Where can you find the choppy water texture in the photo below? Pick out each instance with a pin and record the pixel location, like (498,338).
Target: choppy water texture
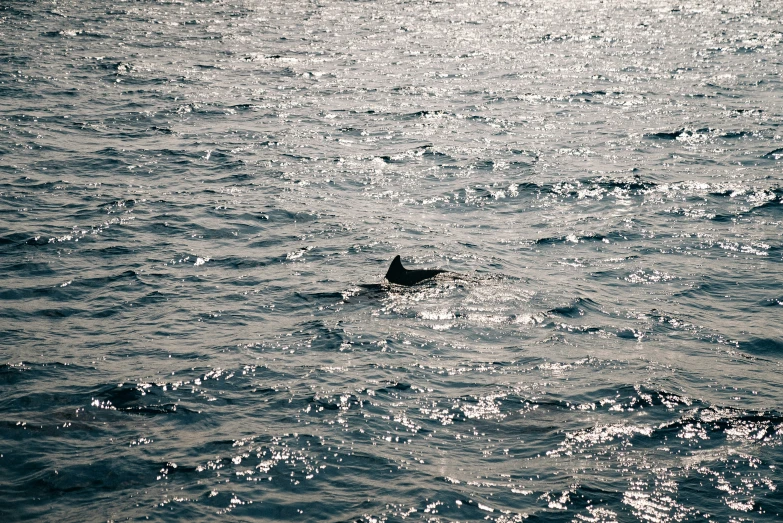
(198,202)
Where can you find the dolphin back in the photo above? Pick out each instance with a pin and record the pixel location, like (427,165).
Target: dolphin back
(401,276)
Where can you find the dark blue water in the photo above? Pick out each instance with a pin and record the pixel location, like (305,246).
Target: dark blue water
(199,200)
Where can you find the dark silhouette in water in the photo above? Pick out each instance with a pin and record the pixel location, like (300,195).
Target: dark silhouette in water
(402,276)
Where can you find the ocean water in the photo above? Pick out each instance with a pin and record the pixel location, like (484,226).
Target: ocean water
(199,200)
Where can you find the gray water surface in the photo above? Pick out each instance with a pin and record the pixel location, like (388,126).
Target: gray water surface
(199,200)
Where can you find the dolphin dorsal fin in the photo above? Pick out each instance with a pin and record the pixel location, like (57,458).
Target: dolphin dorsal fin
(402,276)
(395,269)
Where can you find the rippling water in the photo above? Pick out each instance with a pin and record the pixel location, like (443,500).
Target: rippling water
(199,200)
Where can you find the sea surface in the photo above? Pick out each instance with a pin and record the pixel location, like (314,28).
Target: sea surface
(199,201)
